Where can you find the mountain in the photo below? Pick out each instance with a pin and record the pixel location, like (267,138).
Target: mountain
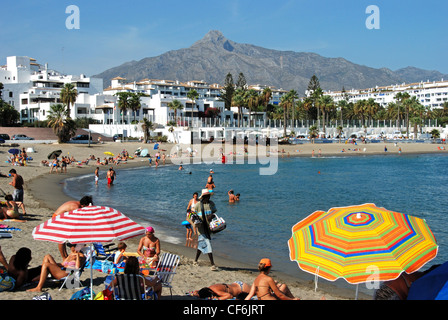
(214,56)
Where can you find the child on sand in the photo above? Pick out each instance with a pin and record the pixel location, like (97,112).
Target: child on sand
(120,257)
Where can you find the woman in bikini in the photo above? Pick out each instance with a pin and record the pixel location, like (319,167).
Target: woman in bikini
(149,247)
(49,266)
(224,291)
(266,288)
(190,210)
(11,211)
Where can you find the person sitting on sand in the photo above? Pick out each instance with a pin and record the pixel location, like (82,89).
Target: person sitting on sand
(49,266)
(266,288)
(133,267)
(70,206)
(18,267)
(224,291)
(120,256)
(149,247)
(11,211)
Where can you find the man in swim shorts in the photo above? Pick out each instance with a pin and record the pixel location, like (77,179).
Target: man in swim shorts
(70,206)
(111,174)
(17,183)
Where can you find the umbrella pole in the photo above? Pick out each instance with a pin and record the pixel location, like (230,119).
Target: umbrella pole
(356,294)
(91,272)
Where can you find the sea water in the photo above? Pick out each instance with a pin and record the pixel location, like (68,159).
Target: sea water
(259,225)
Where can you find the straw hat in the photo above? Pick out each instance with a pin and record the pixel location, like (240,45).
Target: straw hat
(205,192)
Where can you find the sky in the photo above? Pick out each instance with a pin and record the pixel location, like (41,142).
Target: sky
(395,35)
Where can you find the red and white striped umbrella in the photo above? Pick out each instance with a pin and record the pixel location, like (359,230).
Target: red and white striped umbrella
(88,224)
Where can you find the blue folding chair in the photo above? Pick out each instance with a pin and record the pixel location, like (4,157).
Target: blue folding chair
(105,252)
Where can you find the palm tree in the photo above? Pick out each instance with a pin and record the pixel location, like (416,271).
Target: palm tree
(123,102)
(266,97)
(400,97)
(284,103)
(175,105)
(371,108)
(239,100)
(192,95)
(409,105)
(146,127)
(342,104)
(134,102)
(435,134)
(313,133)
(68,96)
(253,100)
(359,110)
(63,126)
(340,129)
(325,103)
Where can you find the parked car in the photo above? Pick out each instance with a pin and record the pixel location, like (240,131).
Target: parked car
(82,137)
(118,136)
(21,137)
(4,136)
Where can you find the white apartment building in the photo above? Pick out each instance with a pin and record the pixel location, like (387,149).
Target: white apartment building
(32,88)
(430,93)
(159,93)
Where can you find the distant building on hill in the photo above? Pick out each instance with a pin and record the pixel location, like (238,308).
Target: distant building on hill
(431,94)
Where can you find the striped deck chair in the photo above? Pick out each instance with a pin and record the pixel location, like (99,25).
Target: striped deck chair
(131,287)
(166,269)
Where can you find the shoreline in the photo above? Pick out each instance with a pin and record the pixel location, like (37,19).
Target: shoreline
(44,193)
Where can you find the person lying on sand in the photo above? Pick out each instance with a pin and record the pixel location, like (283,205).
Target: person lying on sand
(223,291)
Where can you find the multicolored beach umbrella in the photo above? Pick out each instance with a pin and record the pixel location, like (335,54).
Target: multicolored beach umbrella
(361,243)
(87,225)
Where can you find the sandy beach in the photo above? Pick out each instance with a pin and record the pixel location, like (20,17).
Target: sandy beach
(43,194)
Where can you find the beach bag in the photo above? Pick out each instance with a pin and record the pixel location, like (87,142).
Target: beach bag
(217,224)
(7,283)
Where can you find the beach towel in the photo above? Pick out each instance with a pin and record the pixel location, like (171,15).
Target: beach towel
(83,294)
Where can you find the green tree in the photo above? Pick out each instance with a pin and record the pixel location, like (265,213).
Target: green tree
(239,101)
(400,99)
(68,96)
(193,96)
(266,97)
(313,133)
(63,126)
(134,102)
(8,114)
(176,106)
(359,110)
(123,103)
(326,104)
(314,92)
(253,101)
(241,82)
(228,91)
(146,126)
